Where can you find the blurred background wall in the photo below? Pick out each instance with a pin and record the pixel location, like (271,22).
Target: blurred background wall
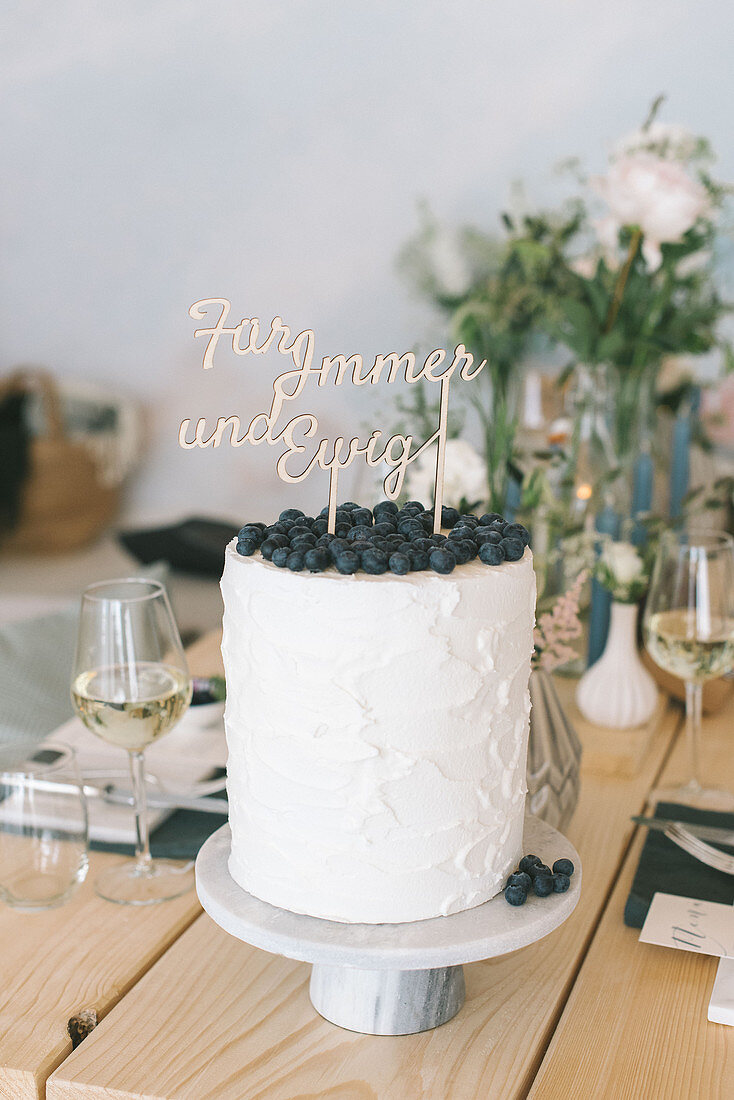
(274,153)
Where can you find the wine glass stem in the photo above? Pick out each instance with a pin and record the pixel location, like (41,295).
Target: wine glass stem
(142,847)
(694,693)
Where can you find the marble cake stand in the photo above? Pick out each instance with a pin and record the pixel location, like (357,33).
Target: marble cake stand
(387,979)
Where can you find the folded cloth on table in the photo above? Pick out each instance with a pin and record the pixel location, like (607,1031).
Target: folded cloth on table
(664,868)
(36,658)
(193,750)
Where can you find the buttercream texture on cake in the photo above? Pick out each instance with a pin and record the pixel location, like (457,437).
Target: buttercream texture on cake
(377,733)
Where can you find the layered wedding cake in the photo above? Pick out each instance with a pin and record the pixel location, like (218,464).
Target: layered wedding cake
(377,712)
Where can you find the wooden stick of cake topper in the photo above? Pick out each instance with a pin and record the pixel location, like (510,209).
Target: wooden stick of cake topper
(335,455)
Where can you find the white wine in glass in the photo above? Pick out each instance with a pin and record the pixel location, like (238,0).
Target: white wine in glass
(130,686)
(689,632)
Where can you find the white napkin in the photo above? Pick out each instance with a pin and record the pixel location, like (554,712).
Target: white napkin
(193,749)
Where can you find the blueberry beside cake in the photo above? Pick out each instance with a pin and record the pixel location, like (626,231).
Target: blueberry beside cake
(377,710)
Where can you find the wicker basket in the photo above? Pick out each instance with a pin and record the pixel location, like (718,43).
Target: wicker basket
(64,503)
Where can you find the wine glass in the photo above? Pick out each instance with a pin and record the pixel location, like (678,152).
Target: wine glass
(689,632)
(130,685)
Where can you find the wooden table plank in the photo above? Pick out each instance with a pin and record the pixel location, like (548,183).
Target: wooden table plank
(648,1002)
(86,954)
(218,1020)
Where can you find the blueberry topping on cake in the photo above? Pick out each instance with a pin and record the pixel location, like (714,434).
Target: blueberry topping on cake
(384,538)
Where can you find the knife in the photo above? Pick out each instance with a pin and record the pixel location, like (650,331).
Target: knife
(704,832)
(117,796)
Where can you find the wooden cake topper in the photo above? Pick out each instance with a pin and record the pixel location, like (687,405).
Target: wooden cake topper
(332,455)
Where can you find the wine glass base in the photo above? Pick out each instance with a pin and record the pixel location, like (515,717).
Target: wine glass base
(131,883)
(700,798)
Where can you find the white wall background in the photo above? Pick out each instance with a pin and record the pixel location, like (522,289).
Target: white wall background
(163,151)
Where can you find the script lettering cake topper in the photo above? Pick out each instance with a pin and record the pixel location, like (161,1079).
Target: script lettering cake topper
(330,455)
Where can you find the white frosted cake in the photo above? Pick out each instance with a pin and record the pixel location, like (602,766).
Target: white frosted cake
(377,730)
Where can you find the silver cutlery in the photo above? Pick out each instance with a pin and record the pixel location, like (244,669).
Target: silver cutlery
(119,796)
(703,832)
(684,837)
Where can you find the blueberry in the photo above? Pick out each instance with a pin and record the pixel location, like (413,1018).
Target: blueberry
(299,529)
(563,867)
(463,550)
(529,861)
(543,885)
(374,562)
(399,563)
(357,534)
(487,534)
(378,542)
(515,895)
(317,560)
(291,513)
(461,531)
(280,556)
(491,553)
(422,544)
(250,531)
(471,548)
(385,508)
(274,529)
(520,878)
(413,507)
(294,561)
(410,528)
(347,561)
(405,547)
(320,527)
(540,869)
(384,528)
(337,547)
(491,517)
(517,531)
(303,543)
(349,506)
(438,540)
(419,560)
(561,883)
(449,516)
(342,530)
(326,539)
(362,517)
(246,547)
(272,543)
(513,549)
(442,561)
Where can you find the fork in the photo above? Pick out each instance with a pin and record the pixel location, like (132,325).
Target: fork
(700,850)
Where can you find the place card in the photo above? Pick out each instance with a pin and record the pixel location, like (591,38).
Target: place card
(690,924)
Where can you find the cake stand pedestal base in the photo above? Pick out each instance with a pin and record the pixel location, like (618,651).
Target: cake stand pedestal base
(387,1002)
(387,979)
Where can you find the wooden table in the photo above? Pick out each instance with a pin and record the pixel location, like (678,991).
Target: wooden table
(188,1013)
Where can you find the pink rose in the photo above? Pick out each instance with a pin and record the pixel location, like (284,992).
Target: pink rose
(654,194)
(717,411)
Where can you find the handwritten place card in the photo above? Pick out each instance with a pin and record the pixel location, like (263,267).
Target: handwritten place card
(689,924)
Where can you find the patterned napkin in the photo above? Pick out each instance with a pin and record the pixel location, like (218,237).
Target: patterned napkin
(666,868)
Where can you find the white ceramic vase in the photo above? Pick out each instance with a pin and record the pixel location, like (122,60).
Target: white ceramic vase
(618,691)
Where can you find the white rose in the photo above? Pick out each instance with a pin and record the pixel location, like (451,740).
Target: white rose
(655,194)
(623,562)
(465,475)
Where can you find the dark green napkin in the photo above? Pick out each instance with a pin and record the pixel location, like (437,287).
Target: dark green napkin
(665,868)
(178,837)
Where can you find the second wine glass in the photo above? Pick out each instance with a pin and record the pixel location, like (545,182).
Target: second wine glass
(689,631)
(130,685)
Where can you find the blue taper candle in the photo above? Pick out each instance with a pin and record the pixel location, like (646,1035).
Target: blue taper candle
(642,486)
(680,462)
(607,523)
